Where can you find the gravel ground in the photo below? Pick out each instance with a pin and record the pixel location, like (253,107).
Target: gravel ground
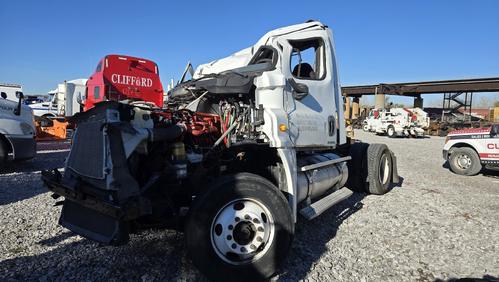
(435,225)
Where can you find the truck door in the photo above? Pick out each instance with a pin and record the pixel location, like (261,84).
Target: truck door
(488,149)
(307,62)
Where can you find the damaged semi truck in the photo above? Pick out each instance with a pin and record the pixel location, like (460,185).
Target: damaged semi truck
(241,150)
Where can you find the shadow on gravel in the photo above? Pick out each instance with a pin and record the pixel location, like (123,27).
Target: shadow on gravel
(311,237)
(20,180)
(157,258)
(57,239)
(485,278)
(40,162)
(485,171)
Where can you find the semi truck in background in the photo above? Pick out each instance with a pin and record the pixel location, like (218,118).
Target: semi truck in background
(124,78)
(17,129)
(63,101)
(116,78)
(250,143)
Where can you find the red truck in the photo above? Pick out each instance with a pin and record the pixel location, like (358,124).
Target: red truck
(119,78)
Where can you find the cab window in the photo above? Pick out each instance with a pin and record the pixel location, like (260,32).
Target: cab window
(96,92)
(99,67)
(308,59)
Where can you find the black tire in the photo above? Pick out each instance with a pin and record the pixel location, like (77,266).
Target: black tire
(464,161)
(3,153)
(390,131)
(379,168)
(203,232)
(357,167)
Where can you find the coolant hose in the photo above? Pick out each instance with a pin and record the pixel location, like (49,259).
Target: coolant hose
(166,134)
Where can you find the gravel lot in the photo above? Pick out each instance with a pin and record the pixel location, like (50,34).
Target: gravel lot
(435,225)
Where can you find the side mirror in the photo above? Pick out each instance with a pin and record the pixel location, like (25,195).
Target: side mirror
(79,100)
(4,95)
(495,130)
(20,95)
(300,90)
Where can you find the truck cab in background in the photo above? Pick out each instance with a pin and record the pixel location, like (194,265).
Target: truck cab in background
(119,77)
(17,130)
(64,101)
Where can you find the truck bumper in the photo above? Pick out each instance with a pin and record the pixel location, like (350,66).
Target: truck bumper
(89,216)
(23,148)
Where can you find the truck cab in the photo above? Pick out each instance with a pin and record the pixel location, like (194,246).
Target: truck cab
(468,150)
(242,149)
(47,108)
(119,77)
(17,130)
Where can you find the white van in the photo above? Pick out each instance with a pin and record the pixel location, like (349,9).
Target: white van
(17,129)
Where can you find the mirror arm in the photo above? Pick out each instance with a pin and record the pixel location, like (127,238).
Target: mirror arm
(299,90)
(17,111)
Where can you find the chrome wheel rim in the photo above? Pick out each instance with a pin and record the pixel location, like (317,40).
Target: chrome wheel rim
(384,169)
(463,161)
(242,231)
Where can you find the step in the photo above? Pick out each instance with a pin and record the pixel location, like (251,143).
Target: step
(317,208)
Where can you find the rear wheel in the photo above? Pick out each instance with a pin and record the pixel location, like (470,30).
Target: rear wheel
(464,161)
(357,167)
(365,128)
(390,131)
(241,228)
(379,168)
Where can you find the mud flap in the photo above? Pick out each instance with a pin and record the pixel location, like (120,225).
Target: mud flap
(92,224)
(395,174)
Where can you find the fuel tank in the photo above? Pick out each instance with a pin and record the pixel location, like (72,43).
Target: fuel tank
(316,182)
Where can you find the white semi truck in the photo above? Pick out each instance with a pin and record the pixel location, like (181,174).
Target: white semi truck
(64,101)
(17,129)
(242,149)
(397,122)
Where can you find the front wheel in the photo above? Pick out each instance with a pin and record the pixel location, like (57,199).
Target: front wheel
(241,228)
(365,128)
(3,153)
(464,161)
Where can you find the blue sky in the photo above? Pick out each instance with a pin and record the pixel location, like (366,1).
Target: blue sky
(46,42)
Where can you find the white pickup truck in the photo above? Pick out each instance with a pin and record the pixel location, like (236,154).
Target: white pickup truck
(17,129)
(468,150)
